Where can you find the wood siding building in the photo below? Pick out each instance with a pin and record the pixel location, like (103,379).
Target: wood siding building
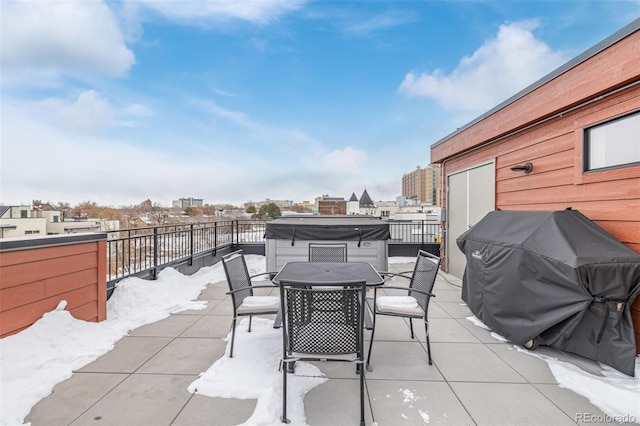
(548,124)
(332,207)
(38,273)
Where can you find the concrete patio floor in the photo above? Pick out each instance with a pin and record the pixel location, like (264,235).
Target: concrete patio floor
(475,378)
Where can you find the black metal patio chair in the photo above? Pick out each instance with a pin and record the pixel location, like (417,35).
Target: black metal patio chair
(327,252)
(334,333)
(413,304)
(241,291)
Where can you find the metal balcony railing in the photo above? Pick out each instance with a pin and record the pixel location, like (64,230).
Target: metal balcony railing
(145,251)
(137,251)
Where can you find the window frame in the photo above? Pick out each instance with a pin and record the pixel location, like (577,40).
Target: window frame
(585,145)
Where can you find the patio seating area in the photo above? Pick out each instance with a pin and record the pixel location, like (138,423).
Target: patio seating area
(475,377)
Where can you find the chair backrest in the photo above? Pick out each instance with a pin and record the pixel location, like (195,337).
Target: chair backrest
(424,277)
(323,318)
(235,268)
(329,252)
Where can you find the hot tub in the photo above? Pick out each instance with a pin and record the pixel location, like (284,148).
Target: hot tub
(288,238)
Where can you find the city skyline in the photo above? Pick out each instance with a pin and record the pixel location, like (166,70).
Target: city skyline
(206,203)
(118,102)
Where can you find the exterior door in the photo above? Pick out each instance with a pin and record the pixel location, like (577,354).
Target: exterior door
(471,195)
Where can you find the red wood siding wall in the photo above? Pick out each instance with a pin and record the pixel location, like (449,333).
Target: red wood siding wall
(555,147)
(35,280)
(610,198)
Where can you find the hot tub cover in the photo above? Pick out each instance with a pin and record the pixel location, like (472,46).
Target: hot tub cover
(553,276)
(344,228)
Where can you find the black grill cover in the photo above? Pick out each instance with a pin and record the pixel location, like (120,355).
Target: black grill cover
(554,276)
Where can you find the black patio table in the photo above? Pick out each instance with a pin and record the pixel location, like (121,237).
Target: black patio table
(329,272)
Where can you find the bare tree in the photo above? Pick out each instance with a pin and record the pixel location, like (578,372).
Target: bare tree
(157,214)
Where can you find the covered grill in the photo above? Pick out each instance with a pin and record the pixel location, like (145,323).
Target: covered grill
(556,277)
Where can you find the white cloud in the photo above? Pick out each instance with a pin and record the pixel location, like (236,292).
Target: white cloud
(71,166)
(384,21)
(138,110)
(224,93)
(89,111)
(132,115)
(345,161)
(60,37)
(260,12)
(501,67)
(216,111)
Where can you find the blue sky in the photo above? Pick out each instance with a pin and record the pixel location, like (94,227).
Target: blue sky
(119,101)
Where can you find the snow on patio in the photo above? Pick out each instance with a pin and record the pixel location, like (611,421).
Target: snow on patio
(615,393)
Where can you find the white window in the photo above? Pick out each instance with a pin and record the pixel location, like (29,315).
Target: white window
(613,144)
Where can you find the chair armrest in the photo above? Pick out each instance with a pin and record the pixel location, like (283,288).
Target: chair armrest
(393,274)
(249,288)
(271,275)
(385,287)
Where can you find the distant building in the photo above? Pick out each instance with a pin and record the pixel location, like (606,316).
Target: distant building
(386,209)
(422,185)
(331,205)
(18,221)
(21,221)
(188,202)
(353,205)
(404,201)
(366,204)
(304,206)
(282,204)
(327,205)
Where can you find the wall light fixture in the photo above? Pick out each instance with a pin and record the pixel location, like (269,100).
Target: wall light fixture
(526,168)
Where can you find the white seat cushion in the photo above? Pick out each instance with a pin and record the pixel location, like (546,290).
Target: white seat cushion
(259,304)
(403,305)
